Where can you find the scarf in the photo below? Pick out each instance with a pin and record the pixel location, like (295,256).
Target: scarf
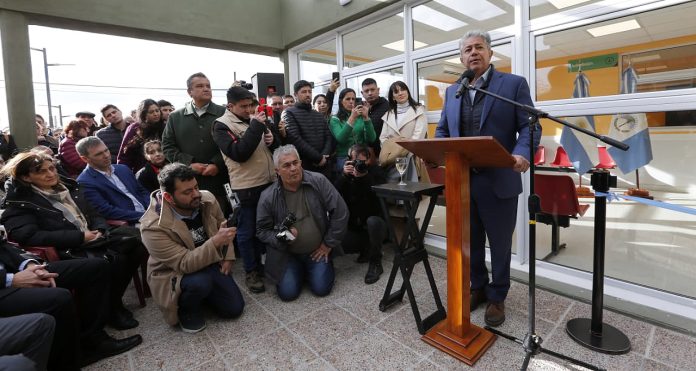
(60,199)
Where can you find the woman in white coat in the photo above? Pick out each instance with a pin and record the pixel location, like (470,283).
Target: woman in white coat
(406,119)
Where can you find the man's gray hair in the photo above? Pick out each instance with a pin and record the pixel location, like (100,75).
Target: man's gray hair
(476,33)
(84,144)
(287,149)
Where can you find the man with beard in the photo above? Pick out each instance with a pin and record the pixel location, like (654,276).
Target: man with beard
(308,131)
(112,135)
(191,251)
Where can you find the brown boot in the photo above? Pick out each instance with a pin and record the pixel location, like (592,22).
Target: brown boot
(477,298)
(495,314)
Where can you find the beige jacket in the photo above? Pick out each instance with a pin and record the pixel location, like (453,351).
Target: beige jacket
(172,252)
(414,126)
(258,170)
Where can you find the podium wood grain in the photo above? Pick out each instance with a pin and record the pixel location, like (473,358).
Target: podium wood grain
(456,335)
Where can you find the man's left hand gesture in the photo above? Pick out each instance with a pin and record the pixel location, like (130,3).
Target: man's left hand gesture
(321,253)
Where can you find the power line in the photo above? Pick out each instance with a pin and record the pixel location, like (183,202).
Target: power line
(112,86)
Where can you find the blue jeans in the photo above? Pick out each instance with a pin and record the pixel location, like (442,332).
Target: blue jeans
(250,247)
(213,287)
(320,276)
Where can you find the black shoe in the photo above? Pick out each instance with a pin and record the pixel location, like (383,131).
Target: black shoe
(121,321)
(125,312)
(477,298)
(373,272)
(108,347)
(192,322)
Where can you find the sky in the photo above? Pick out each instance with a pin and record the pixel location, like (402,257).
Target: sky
(124,71)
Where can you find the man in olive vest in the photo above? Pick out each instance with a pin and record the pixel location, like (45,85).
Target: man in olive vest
(247,145)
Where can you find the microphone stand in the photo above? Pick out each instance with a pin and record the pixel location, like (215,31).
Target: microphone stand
(532,342)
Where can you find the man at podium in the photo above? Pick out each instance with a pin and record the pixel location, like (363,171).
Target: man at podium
(494,191)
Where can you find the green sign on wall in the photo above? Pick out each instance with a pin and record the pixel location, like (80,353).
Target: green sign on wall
(593,63)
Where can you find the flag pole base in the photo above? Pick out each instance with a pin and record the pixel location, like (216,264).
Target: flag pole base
(583,191)
(639,192)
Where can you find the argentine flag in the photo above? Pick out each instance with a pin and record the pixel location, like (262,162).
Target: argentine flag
(631,129)
(581,148)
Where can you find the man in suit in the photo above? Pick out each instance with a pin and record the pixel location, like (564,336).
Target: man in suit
(27,285)
(111,188)
(494,192)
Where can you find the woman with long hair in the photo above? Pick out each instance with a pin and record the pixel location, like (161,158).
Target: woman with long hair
(350,126)
(406,119)
(43,209)
(150,127)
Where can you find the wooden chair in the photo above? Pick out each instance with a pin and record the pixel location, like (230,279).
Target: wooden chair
(559,203)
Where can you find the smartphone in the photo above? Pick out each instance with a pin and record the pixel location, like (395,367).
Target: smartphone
(335,76)
(358,102)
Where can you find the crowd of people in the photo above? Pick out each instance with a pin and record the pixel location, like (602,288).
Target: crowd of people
(287,188)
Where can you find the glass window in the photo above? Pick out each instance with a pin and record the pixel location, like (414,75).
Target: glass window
(440,21)
(384,79)
(434,76)
(317,64)
(373,42)
(659,47)
(540,8)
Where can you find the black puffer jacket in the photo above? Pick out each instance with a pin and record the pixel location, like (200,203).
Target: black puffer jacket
(309,132)
(31,220)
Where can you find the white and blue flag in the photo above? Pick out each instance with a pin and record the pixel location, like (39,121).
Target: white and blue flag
(631,129)
(581,148)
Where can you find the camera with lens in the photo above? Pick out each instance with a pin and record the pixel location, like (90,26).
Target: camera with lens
(284,234)
(246,85)
(360,165)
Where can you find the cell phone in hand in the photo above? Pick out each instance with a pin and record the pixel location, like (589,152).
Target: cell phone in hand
(358,102)
(335,76)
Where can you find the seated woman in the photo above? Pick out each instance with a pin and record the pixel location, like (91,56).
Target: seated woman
(147,176)
(67,154)
(150,127)
(350,126)
(406,119)
(41,209)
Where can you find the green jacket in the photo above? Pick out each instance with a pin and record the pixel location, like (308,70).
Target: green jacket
(187,138)
(362,132)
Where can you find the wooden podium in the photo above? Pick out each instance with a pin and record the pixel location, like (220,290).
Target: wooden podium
(455,334)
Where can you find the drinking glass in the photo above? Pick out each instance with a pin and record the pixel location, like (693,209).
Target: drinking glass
(401,165)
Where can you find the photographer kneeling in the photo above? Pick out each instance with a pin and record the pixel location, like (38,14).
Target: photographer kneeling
(366,228)
(301,218)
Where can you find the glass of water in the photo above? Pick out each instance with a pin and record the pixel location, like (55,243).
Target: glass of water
(401,165)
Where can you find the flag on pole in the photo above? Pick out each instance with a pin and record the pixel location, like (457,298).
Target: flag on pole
(631,129)
(581,148)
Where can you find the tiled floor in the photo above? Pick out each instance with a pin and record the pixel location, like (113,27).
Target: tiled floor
(346,331)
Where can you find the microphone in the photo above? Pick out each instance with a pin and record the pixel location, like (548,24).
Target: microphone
(466,77)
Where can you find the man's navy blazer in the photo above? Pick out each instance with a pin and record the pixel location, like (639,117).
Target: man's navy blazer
(107,199)
(499,119)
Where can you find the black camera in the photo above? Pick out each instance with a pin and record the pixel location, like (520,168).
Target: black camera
(359,165)
(246,85)
(284,234)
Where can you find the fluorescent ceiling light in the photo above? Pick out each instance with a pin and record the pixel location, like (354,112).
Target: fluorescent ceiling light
(645,58)
(560,4)
(457,61)
(399,45)
(614,28)
(653,68)
(433,18)
(479,10)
